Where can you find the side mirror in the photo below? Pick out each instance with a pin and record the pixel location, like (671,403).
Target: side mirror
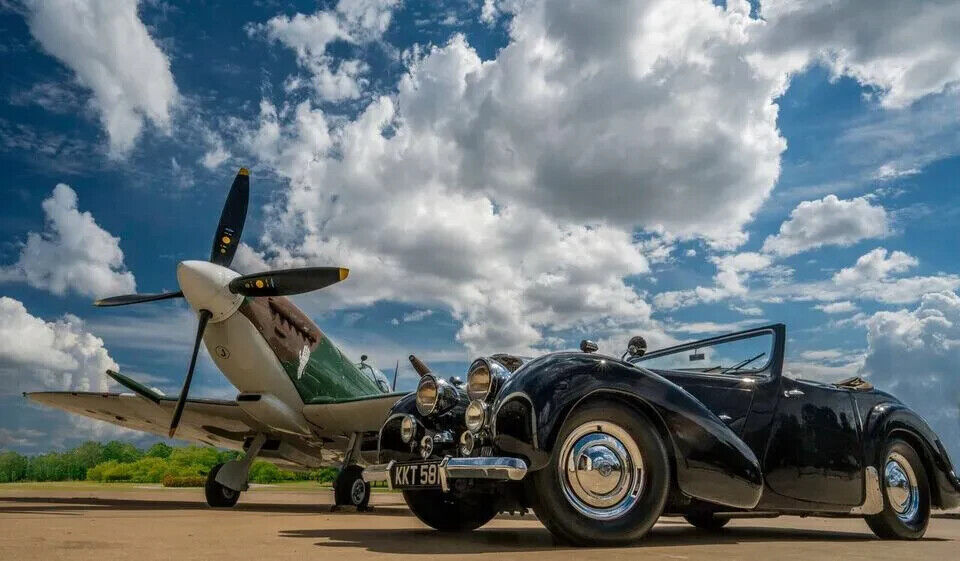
(637,347)
(588,346)
(363,358)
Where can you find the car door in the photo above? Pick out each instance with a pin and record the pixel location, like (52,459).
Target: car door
(814,453)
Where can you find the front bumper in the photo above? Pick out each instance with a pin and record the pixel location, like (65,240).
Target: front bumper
(496,468)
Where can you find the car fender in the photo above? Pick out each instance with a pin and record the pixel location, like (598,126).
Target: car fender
(711,462)
(894,419)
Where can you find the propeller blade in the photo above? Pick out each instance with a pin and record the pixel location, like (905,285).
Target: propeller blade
(395,372)
(201,325)
(418,365)
(234,214)
(287,281)
(135,299)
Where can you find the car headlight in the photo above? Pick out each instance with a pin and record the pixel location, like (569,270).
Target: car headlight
(484,379)
(467,442)
(434,395)
(408,428)
(475,416)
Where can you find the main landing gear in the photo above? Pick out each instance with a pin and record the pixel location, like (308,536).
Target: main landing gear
(226,481)
(350,489)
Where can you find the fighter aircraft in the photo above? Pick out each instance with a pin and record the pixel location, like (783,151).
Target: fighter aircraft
(301,404)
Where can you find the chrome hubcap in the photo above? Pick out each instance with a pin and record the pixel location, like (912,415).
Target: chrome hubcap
(900,484)
(357,491)
(601,470)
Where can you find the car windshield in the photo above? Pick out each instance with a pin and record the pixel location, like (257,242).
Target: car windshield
(374,374)
(737,355)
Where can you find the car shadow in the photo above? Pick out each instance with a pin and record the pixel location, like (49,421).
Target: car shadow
(667,533)
(77,505)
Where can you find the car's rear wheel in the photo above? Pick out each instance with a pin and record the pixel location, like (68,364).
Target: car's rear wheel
(608,477)
(448,512)
(707,521)
(906,494)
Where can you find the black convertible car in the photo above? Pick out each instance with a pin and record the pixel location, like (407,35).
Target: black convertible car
(600,447)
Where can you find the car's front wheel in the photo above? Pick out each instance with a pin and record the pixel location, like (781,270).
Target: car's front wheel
(906,494)
(608,477)
(448,512)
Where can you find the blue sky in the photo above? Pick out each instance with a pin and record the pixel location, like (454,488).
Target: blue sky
(527,176)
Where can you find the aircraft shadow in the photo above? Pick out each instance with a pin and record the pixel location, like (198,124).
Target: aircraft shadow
(77,505)
(510,540)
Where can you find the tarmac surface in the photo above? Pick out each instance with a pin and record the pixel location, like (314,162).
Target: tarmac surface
(277,523)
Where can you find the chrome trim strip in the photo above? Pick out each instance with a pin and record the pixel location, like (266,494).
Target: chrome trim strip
(873,499)
(497,468)
(378,472)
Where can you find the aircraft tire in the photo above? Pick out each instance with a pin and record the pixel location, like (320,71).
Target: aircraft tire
(350,489)
(217,495)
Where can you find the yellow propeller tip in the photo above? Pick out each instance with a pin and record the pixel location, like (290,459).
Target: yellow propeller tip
(344,273)
(243,171)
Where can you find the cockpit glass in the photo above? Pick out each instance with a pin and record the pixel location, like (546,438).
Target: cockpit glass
(375,375)
(734,356)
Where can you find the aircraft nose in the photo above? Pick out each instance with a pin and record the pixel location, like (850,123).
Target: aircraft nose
(204,285)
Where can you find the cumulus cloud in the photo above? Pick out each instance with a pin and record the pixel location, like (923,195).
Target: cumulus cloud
(914,355)
(352,21)
(828,221)
(475,170)
(874,266)
(906,50)
(73,253)
(111,53)
(58,355)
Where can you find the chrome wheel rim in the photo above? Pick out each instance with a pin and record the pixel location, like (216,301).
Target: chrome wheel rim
(900,485)
(227,492)
(601,470)
(357,491)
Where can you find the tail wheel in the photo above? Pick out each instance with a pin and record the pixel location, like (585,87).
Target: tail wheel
(451,513)
(217,495)
(707,521)
(608,477)
(350,489)
(906,494)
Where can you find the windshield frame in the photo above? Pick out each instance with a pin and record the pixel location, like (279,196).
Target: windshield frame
(765,370)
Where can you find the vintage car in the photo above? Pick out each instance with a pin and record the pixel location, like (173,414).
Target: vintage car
(600,447)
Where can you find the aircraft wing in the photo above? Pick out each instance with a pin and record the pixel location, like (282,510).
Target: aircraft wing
(365,414)
(215,422)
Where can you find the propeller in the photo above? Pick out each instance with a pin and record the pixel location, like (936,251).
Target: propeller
(395,372)
(135,299)
(201,326)
(225,242)
(286,282)
(234,214)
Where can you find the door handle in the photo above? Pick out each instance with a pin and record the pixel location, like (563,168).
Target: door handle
(792,393)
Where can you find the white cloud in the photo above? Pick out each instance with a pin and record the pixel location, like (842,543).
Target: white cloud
(709,327)
(828,221)
(417,315)
(489,12)
(843,307)
(60,355)
(874,266)
(352,21)
(73,253)
(905,49)
(733,271)
(488,167)
(111,52)
(748,310)
(914,355)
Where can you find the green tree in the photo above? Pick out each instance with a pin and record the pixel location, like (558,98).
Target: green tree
(13,467)
(121,451)
(160,450)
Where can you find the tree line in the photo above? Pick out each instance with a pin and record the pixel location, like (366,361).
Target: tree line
(123,462)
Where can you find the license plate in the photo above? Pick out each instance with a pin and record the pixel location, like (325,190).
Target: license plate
(419,475)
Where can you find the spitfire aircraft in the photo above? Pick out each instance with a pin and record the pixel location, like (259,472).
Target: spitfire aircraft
(301,403)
